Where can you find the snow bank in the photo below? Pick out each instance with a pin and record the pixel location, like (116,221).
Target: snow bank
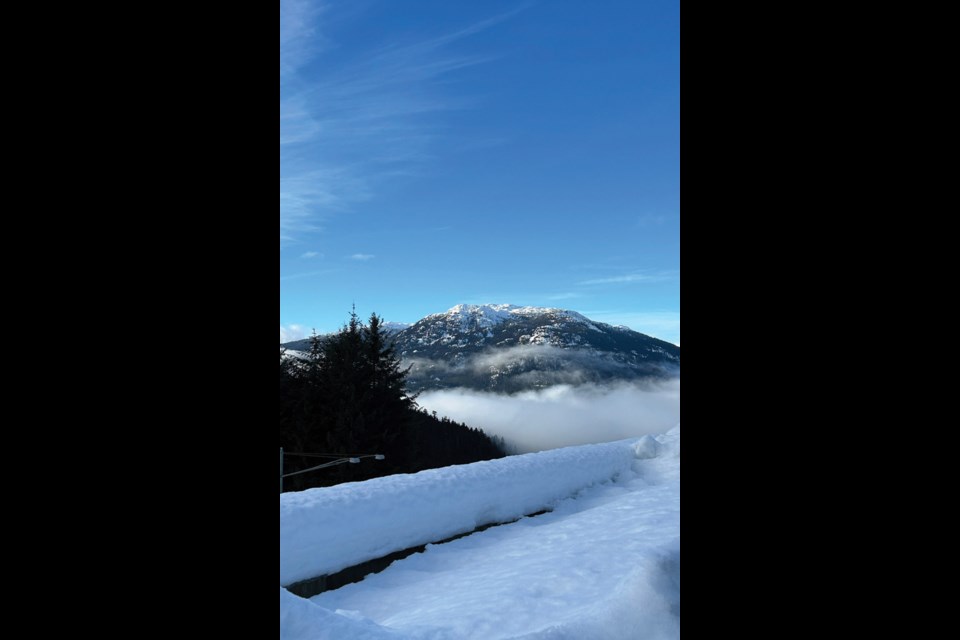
(323,531)
(603,565)
(301,619)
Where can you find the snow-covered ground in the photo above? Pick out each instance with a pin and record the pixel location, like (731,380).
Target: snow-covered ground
(605,564)
(326,530)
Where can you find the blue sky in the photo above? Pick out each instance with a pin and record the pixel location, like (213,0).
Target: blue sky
(434,153)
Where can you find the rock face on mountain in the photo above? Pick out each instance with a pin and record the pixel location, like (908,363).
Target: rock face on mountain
(509,349)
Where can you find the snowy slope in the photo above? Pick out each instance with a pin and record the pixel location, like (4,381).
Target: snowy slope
(604,565)
(472,317)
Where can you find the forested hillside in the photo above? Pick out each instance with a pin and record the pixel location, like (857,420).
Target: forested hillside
(349,398)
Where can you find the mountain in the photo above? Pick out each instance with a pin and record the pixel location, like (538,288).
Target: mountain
(508,349)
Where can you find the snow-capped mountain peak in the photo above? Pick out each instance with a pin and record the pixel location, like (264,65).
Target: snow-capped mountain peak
(471,317)
(508,348)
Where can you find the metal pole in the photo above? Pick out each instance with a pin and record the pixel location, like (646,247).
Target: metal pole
(355,460)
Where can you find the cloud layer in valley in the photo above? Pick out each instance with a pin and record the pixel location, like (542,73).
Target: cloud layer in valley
(564,415)
(533,366)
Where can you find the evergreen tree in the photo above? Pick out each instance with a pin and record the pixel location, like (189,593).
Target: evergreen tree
(349,398)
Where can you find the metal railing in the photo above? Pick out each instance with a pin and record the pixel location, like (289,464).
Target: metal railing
(335,460)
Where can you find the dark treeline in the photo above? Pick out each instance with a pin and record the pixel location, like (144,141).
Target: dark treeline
(349,397)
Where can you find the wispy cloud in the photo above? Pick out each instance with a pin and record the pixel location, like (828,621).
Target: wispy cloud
(362,257)
(656,220)
(560,297)
(309,274)
(632,278)
(344,128)
(311,255)
(291,333)
(300,37)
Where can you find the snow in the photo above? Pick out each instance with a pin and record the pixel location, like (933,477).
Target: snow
(477,316)
(604,564)
(327,530)
(471,317)
(300,619)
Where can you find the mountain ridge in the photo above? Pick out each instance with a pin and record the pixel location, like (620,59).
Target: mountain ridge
(508,348)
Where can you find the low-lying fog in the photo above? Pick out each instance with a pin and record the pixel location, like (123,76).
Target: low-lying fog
(564,415)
